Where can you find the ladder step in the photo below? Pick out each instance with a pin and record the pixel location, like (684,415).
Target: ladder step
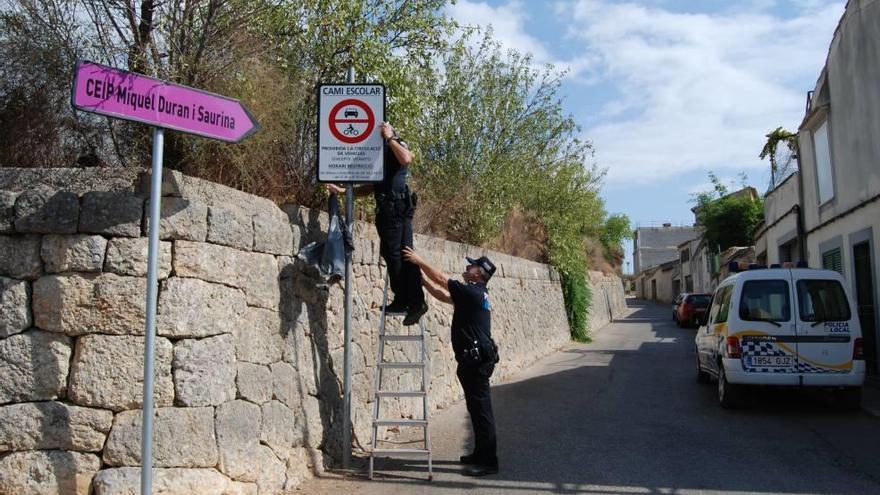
(401,451)
(402,365)
(400,422)
(392,393)
(409,338)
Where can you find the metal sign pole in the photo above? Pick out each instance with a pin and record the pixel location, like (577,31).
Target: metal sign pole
(346,400)
(150,332)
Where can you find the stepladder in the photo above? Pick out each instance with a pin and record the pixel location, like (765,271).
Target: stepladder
(390,388)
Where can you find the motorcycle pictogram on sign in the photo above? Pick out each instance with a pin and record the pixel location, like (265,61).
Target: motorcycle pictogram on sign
(347,125)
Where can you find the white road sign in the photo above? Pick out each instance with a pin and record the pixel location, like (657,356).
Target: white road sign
(350,146)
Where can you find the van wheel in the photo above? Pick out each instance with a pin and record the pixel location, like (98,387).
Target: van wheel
(849,399)
(702,376)
(729,395)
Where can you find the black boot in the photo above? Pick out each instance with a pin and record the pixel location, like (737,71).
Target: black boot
(396,307)
(480,470)
(415,314)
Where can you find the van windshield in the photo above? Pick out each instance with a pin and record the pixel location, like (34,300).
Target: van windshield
(765,300)
(822,300)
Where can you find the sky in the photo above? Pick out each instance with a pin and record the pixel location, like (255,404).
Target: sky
(669,90)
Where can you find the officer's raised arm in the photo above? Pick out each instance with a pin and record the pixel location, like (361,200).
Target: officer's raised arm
(398,147)
(432,273)
(439,294)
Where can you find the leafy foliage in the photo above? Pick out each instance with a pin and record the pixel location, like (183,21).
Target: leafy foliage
(771,150)
(497,158)
(728,219)
(578,297)
(616,230)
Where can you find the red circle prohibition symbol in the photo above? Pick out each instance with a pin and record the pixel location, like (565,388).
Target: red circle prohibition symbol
(335,120)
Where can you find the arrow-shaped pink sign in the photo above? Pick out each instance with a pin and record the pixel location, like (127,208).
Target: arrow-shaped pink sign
(126,95)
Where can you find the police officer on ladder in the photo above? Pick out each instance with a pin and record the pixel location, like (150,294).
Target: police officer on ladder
(475,351)
(395,207)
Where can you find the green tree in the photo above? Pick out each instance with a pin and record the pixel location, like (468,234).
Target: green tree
(615,231)
(728,219)
(494,139)
(771,148)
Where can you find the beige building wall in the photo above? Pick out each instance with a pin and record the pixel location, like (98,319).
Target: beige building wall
(846,103)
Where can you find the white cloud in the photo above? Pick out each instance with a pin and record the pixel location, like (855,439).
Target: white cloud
(696,91)
(508,22)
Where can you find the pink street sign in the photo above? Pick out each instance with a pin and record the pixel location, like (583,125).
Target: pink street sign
(125,95)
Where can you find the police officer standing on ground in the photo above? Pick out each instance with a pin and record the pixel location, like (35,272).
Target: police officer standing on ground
(395,207)
(475,351)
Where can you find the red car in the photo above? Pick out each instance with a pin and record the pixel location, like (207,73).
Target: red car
(690,308)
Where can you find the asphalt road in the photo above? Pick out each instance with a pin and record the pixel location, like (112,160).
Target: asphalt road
(625,415)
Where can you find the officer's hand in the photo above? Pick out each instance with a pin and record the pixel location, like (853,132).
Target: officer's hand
(387,130)
(334,189)
(411,256)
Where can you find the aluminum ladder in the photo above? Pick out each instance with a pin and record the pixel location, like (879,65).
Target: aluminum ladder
(379,393)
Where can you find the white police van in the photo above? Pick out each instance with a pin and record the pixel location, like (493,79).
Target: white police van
(794,327)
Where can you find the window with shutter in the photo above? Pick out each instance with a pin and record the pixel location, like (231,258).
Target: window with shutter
(831,260)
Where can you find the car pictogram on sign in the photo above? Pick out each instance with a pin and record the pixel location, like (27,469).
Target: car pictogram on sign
(351,112)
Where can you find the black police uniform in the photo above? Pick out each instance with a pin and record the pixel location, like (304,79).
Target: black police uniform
(472,327)
(394,213)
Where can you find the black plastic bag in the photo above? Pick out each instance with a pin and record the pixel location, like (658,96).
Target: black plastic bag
(328,256)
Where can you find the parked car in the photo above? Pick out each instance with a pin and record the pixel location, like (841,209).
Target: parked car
(691,309)
(782,327)
(675,303)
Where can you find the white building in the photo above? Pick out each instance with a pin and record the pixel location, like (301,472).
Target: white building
(829,212)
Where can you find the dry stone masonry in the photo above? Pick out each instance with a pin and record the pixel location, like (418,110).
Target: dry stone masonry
(249,347)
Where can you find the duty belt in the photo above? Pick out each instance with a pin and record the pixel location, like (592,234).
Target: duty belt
(391,196)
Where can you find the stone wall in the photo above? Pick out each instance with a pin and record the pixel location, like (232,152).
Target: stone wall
(249,347)
(609,299)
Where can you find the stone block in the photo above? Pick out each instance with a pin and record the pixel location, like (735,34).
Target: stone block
(174,481)
(280,428)
(204,371)
(209,262)
(53,426)
(259,278)
(313,430)
(272,232)
(180,219)
(20,256)
(130,256)
(47,472)
(111,213)
(83,304)
(46,211)
(255,273)
(34,366)
(79,179)
(73,253)
(286,385)
(7,211)
(254,382)
(108,372)
(238,439)
(190,307)
(182,436)
(15,309)
(299,467)
(230,227)
(271,472)
(259,338)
